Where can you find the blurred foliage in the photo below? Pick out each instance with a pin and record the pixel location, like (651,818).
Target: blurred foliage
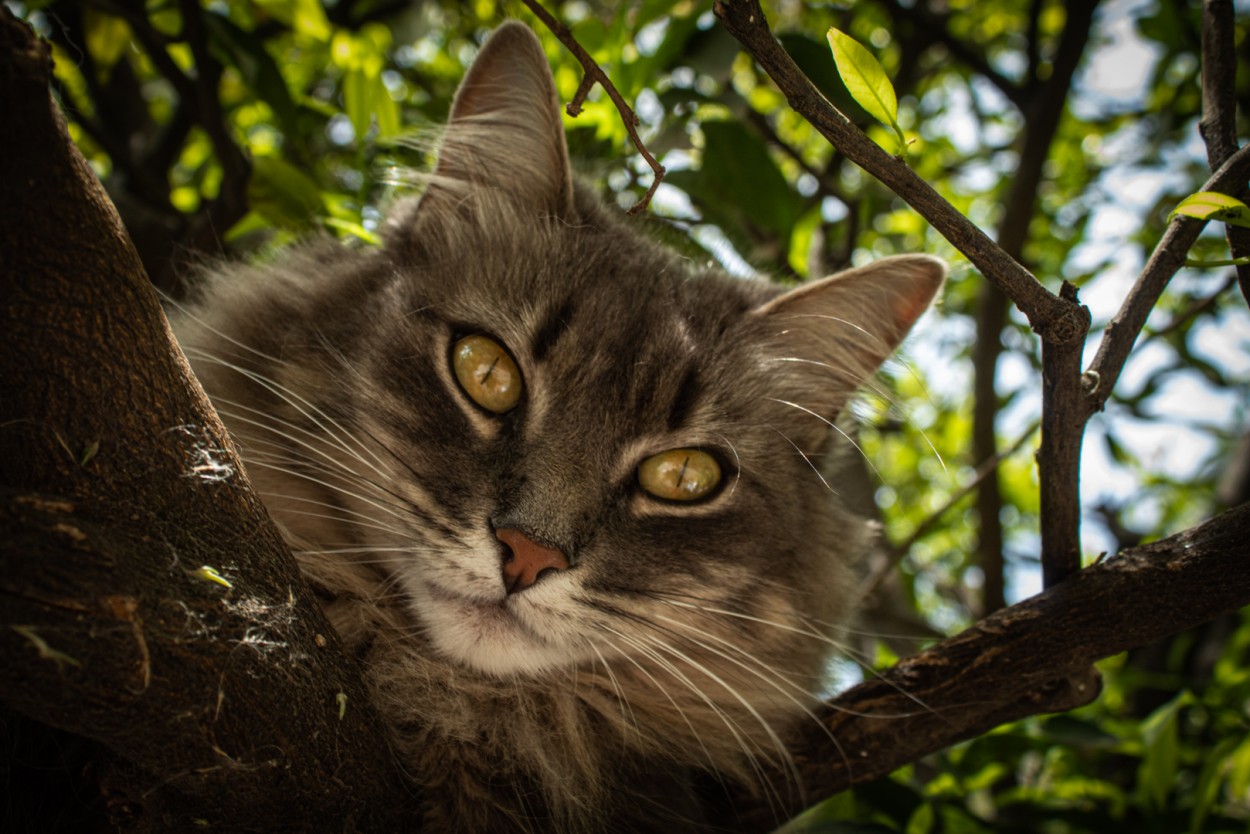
(329,104)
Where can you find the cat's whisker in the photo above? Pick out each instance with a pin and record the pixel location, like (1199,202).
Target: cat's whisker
(739,735)
(806,459)
(403,508)
(628,719)
(675,652)
(769,675)
(843,649)
(737,463)
(782,753)
(265,420)
(343,515)
(296,473)
(836,428)
(343,437)
(305,407)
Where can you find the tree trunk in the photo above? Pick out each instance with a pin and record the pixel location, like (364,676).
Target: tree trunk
(122,502)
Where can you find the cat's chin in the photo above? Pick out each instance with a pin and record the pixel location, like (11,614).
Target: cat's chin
(503,637)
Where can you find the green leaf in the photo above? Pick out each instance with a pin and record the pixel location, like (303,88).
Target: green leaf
(108,38)
(358,90)
(1211,205)
(283,194)
(866,81)
(304,16)
(1207,788)
(739,187)
(247,53)
(354,229)
(922,821)
(1162,759)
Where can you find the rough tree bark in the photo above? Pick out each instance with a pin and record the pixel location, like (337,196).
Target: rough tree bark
(234,705)
(118,484)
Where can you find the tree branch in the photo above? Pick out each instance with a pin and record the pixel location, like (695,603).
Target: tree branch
(117,484)
(1219,112)
(1167,258)
(1031,658)
(1052,317)
(595,74)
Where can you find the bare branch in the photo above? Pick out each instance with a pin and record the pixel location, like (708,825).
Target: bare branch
(1167,258)
(596,75)
(1059,460)
(1219,111)
(1052,317)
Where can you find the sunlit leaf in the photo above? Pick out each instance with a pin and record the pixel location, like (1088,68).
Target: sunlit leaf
(304,16)
(1211,205)
(248,55)
(358,93)
(866,81)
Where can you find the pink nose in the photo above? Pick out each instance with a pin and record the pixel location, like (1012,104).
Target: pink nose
(527,560)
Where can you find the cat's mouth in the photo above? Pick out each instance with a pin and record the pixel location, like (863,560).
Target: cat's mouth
(483,613)
(502,637)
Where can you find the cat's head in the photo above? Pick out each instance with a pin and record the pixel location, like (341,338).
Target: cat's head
(563,444)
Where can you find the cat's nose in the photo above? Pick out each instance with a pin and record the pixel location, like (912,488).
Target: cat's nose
(527,560)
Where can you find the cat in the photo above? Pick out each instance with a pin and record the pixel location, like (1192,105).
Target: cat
(559,490)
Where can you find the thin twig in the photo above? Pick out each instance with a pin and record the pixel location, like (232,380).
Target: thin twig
(1193,311)
(1167,258)
(596,75)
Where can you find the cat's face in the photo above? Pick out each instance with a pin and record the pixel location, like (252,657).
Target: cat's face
(643,432)
(560,444)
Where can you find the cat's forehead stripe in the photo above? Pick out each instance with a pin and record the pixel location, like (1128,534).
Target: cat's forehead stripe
(555,325)
(685,397)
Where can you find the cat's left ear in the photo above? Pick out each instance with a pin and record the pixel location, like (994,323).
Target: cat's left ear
(829,336)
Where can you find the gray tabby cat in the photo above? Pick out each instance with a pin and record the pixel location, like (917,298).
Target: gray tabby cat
(559,489)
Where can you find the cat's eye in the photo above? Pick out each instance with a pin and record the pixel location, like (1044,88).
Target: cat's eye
(487,373)
(680,475)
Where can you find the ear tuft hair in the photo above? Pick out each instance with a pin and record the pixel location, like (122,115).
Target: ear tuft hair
(833,334)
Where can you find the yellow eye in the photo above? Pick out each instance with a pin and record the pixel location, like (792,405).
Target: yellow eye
(487,373)
(679,474)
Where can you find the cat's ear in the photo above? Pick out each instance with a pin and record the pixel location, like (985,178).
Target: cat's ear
(829,336)
(505,129)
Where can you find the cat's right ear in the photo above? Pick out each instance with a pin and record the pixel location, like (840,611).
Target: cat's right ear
(505,132)
(828,337)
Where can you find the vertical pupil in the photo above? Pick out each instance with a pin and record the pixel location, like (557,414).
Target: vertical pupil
(489,371)
(681,473)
